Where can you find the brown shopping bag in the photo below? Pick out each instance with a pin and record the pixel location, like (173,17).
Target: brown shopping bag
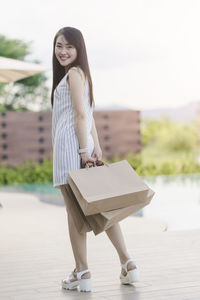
(107,187)
(74,209)
(102,221)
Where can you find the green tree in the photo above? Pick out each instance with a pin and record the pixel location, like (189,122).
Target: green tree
(26,93)
(165,135)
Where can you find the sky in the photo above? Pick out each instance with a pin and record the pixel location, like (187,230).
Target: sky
(143,54)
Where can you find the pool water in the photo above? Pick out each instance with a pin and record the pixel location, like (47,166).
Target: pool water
(176,200)
(44,191)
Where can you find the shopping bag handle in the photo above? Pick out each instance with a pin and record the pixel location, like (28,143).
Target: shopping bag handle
(95,165)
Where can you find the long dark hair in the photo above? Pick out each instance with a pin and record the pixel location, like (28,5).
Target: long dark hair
(75,38)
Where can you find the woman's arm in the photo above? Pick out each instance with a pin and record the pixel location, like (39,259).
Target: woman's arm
(97,149)
(76,83)
(94,134)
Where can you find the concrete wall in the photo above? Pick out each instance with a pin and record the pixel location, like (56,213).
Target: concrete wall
(27,135)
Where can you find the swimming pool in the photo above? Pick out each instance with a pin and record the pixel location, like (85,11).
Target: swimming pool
(176,200)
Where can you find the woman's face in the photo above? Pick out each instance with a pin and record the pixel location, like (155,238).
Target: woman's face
(64,52)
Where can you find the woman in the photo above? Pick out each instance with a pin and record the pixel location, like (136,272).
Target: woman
(75,143)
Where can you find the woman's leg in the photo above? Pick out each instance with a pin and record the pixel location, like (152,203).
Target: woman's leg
(78,240)
(115,235)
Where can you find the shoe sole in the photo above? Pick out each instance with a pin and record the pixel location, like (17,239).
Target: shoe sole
(83,284)
(131,277)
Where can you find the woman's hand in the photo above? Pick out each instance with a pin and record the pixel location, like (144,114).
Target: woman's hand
(97,154)
(86,158)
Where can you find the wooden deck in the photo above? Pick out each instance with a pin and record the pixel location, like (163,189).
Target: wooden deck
(35,254)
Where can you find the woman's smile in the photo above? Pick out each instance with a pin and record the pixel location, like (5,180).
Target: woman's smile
(63,58)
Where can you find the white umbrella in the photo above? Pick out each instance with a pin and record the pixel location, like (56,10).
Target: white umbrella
(13,69)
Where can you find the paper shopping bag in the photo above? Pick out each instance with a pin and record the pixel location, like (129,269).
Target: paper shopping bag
(102,221)
(107,187)
(75,210)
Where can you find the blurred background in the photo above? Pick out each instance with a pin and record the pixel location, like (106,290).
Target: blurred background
(145,66)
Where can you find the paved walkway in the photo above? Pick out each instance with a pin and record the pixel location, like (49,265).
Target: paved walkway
(35,254)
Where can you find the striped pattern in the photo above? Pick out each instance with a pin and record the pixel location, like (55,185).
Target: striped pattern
(64,138)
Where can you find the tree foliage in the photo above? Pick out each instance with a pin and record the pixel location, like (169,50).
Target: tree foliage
(26,93)
(167,136)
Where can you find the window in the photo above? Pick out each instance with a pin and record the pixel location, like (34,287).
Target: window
(3,124)
(106,137)
(3,114)
(41,129)
(106,116)
(4,146)
(41,150)
(41,140)
(40,160)
(106,127)
(4,157)
(107,148)
(40,118)
(4,136)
